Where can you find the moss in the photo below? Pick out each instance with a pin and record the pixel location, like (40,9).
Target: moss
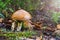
(17,35)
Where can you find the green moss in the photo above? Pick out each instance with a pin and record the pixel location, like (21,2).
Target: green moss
(19,34)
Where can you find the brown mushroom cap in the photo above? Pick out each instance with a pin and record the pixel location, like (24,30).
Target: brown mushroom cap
(21,15)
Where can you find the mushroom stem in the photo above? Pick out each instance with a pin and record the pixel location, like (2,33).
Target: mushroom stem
(13,26)
(28,24)
(19,26)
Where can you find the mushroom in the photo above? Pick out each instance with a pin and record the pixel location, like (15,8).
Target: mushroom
(1,19)
(21,15)
(58,26)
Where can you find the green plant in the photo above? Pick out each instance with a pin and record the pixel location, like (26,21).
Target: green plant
(3,5)
(55,16)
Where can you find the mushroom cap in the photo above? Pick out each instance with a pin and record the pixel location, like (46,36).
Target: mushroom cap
(21,15)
